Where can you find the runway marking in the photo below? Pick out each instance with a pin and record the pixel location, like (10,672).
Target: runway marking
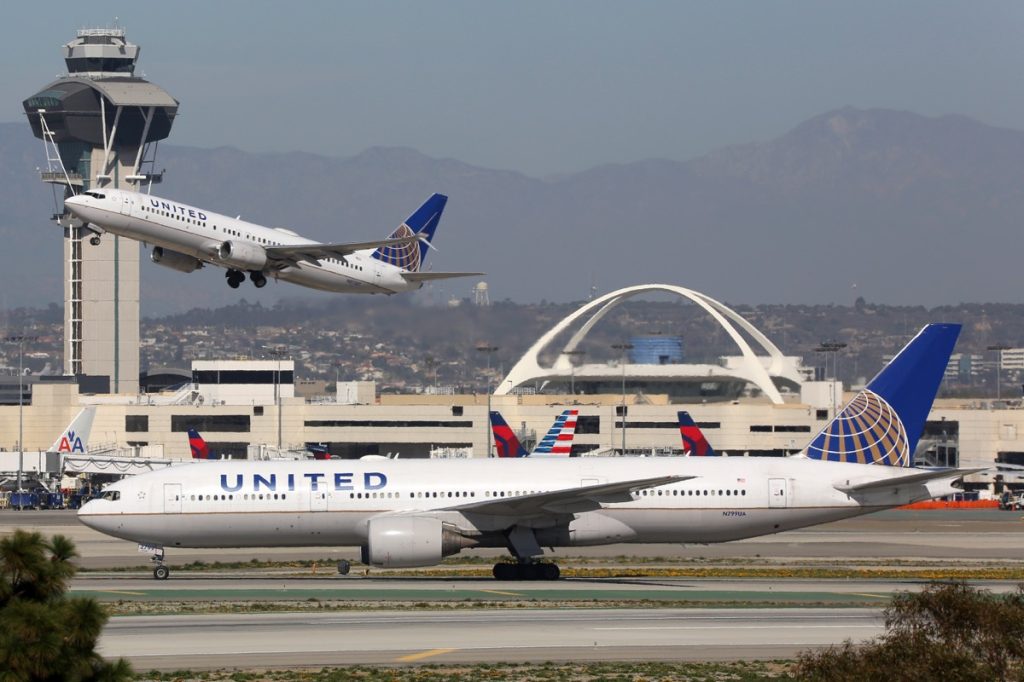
(121,592)
(425,654)
(867,594)
(508,594)
(767,626)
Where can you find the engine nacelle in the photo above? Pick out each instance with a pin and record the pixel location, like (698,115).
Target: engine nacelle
(411,541)
(242,255)
(174,260)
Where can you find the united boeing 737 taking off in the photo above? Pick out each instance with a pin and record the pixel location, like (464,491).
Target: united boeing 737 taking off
(185,238)
(405,513)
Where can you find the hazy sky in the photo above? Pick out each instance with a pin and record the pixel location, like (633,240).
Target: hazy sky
(539,87)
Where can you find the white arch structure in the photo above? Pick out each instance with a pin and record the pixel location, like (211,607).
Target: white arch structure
(752,368)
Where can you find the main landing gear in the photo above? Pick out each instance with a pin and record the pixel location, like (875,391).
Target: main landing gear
(522,543)
(526,570)
(94,240)
(236,277)
(344,567)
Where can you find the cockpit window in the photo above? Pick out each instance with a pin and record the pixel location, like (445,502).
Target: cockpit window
(112,495)
(95,195)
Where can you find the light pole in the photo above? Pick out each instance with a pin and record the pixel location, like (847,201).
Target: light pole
(337,379)
(277,353)
(832,347)
(623,348)
(20,339)
(999,348)
(488,350)
(573,354)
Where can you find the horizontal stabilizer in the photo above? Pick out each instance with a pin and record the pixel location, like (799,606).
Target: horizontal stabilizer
(429,276)
(907,479)
(567,500)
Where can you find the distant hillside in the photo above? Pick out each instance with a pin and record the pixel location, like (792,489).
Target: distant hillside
(898,207)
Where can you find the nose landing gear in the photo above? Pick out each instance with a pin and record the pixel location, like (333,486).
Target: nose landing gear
(160,571)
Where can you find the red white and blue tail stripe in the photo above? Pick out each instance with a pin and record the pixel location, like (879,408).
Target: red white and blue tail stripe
(558,440)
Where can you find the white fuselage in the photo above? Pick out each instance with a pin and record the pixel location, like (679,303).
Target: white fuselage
(329,503)
(196,232)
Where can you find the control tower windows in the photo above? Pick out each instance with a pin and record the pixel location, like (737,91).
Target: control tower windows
(108,64)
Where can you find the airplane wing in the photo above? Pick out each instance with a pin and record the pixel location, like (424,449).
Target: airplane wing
(314,252)
(429,276)
(567,500)
(907,479)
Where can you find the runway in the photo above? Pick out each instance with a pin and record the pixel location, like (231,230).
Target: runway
(953,535)
(531,635)
(354,592)
(333,620)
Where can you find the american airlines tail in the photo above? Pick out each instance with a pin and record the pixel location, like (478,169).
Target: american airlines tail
(411,255)
(558,439)
(694,442)
(75,438)
(883,423)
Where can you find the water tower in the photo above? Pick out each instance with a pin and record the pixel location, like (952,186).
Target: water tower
(100,125)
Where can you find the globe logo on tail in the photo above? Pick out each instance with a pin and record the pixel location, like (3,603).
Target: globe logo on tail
(867,431)
(405,256)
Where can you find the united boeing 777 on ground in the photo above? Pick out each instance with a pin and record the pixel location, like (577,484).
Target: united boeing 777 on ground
(406,513)
(184,238)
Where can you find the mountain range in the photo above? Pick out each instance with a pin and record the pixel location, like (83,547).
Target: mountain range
(889,205)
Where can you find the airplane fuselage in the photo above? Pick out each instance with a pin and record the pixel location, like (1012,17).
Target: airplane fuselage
(196,233)
(330,503)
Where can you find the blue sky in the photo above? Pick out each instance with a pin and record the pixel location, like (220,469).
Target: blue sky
(538,87)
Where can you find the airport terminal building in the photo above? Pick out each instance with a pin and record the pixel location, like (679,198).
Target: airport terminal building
(245,407)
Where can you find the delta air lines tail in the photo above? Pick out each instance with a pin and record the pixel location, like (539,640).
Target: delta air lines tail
(198,446)
(694,442)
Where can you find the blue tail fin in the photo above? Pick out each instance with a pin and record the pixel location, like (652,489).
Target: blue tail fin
(505,438)
(424,221)
(883,423)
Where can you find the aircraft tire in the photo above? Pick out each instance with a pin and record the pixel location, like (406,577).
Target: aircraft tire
(258,279)
(528,571)
(344,567)
(161,572)
(94,240)
(505,571)
(550,571)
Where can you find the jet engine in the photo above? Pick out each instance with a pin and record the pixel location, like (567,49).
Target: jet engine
(411,541)
(174,260)
(242,255)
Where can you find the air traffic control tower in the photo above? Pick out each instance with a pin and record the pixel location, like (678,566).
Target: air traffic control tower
(100,125)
